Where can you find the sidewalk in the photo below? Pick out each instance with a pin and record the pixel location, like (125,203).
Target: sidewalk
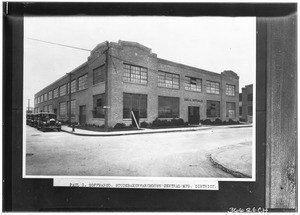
(234,159)
(83,132)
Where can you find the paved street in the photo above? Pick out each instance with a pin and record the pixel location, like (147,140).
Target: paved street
(182,154)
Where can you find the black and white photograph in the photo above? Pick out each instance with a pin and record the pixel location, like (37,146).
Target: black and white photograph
(139,97)
(150,107)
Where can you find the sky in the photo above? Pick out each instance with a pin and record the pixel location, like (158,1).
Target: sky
(210,43)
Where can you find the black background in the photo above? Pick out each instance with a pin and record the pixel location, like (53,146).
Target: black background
(40,195)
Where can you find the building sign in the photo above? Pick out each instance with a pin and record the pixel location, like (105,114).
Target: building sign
(192,100)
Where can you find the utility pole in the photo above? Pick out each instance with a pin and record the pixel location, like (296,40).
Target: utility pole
(70,77)
(106,86)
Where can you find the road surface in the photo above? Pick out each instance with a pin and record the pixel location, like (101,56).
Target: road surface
(182,154)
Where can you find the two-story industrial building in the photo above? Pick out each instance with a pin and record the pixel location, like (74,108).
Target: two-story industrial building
(122,79)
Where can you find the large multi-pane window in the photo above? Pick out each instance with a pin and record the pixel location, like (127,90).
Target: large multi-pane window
(62,109)
(73,108)
(168,107)
(135,74)
(136,103)
(50,109)
(50,95)
(213,109)
(230,110)
(250,97)
(168,80)
(193,84)
(98,104)
(73,87)
(230,90)
(99,74)
(45,108)
(83,82)
(42,98)
(212,87)
(55,93)
(45,96)
(62,90)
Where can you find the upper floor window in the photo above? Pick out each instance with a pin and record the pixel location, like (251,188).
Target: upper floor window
(50,95)
(212,87)
(230,90)
(83,82)
(73,87)
(55,93)
(135,74)
(193,84)
(38,100)
(42,98)
(45,96)
(168,80)
(62,90)
(99,74)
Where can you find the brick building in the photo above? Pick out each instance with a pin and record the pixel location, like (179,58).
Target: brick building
(246,103)
(126,76)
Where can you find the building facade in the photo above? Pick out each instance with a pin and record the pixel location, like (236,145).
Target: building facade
(126,78)
(246,103)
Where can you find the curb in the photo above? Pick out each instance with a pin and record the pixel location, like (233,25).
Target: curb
(218,164)
(133,133)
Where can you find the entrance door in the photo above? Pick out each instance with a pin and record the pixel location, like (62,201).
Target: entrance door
(193,115)
(82,114)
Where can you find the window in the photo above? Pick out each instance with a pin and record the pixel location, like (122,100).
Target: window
(73,108)
(45,108)
(42,98)
(45,97)
(135,74)
(98,103)
(212,87)
(99,74)
(230,110)
(250,110)
(63,90)
(55,93)
(240,111)
(50,95)
(213,109)
(62,109)
(168,107)
(193,84)
(38,100)
(168,80)
(83,82)
(250,97)
(50,109)
(73,87)
(134,102)
(230,90)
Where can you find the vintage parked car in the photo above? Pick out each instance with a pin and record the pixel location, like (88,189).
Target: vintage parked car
(31,119)
(47,121)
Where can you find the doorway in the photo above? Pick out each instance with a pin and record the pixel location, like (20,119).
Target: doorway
(82,115)
(193,115)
